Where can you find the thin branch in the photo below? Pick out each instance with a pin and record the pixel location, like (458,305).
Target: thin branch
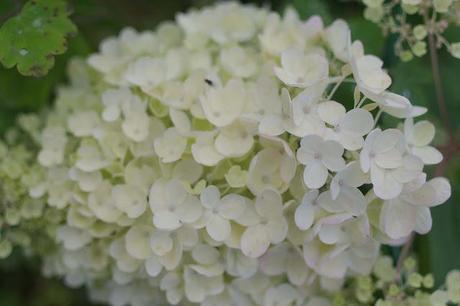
(405,251)
(437,80)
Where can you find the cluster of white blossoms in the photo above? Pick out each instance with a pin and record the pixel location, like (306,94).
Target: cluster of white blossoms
(207,162)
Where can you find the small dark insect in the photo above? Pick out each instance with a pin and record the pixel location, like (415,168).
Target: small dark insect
(209,82)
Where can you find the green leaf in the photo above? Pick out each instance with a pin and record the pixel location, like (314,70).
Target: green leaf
(31,39)
(308,8)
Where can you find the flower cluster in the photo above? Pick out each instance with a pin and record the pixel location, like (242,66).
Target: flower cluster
(388,285)
(414,21)
(209,162)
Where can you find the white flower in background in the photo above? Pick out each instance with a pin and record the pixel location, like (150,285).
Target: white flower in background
(219,212)
(302,70)
(204,150)
(130,199)
(170,146)
(410,210)
(172,206)
(270,168)
(418,137)
(222,106)
(271,226)
(235,140)
(319,156)
(285,259)
(283,294)
(53,142)
(239,62)
(305,118)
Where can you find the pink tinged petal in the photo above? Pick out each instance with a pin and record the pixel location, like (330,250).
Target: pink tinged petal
(358,121)
(385,186)
(277,230)
(255,241)
(166,220)
(304,216)
(397,219)
(218,228)
(429,155)
(423,221)
(315,175)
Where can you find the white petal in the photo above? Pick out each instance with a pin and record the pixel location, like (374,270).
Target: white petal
(385,186)
(304,216)
(218,228)
(232,206)
(397,219)
(423,133)
(210,197)
(153,267)
(423,220)
(269,204)
(429,155)
(331,112)
(358,121)
(166,220)
(255,241)
(315,175)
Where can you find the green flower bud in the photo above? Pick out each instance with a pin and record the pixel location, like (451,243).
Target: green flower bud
(455,49)
(5,248)
(420,31)
(406,56)
(419,48)
(374,14)
(409,9)
(442,6)
(373,3)
(428,281)
(415,280)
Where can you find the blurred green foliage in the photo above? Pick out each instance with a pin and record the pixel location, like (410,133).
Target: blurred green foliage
(20,280)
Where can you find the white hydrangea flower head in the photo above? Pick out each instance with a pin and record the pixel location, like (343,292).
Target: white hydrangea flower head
(210,161)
